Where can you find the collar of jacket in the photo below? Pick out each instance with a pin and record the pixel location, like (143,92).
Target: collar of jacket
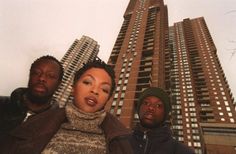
(34,125)
(17,99)
(159,134)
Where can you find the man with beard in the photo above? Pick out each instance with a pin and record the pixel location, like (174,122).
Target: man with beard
(153,135)
(45,76)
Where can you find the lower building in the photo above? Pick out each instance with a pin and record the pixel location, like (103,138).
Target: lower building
(80,52)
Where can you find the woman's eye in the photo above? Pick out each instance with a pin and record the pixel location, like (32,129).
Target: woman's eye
(105,90)
(86,82)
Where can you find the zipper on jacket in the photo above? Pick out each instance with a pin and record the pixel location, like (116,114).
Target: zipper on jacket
(145,137)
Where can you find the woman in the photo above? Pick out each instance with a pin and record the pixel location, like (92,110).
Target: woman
(83,126)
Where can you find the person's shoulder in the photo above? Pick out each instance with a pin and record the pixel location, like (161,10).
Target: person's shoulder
(15,95)
(4,101)
(18,92)
(113,127)
(182,148)
(112,121)
(12,104)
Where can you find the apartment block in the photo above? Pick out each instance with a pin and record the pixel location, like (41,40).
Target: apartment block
(80,52)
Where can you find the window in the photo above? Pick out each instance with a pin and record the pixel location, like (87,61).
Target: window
(197,144)
(122,95)
(227,108)
(118,112)
(195,131)
(118,88)
(121,102)
(116,95)
(196,137)
(189,144)
(124,88)
(226,103)
(114,103)
(180,138)
(194,125)
(112,110)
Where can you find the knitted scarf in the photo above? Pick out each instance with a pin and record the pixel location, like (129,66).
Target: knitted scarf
(81,134)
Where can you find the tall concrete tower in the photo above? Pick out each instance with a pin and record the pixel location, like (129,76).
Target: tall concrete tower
(203,114)
(138,55)
(80,52)
(182,59)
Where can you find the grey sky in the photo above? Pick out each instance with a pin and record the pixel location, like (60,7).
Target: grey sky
(32,28)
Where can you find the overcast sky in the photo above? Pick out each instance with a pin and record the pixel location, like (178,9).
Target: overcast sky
(32,28)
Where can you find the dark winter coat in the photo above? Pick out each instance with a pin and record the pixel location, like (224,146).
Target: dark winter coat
(13,111)
(32,136)
(157,141)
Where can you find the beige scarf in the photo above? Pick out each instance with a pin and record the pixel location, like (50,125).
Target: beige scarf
(80,135)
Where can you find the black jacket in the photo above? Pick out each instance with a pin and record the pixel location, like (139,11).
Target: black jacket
(13,111)
(157,141)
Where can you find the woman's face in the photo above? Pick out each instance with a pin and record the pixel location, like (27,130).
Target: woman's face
(91,91)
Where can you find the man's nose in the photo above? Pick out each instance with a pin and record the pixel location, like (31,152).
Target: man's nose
(42,77)
(151,107)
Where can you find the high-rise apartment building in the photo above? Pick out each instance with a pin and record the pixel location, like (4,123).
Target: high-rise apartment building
(203,114)
(138,55)
(182,60)
(80,52)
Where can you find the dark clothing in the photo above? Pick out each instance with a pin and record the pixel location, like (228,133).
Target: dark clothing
(13,111)
(32,136)
(157,141)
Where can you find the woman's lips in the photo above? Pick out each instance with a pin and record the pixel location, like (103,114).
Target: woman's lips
(91,101)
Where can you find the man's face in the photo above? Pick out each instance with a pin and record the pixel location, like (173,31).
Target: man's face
(151,112)
(43,80)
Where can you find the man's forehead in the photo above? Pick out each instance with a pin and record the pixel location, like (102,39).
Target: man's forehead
(152,97)
(45,61)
